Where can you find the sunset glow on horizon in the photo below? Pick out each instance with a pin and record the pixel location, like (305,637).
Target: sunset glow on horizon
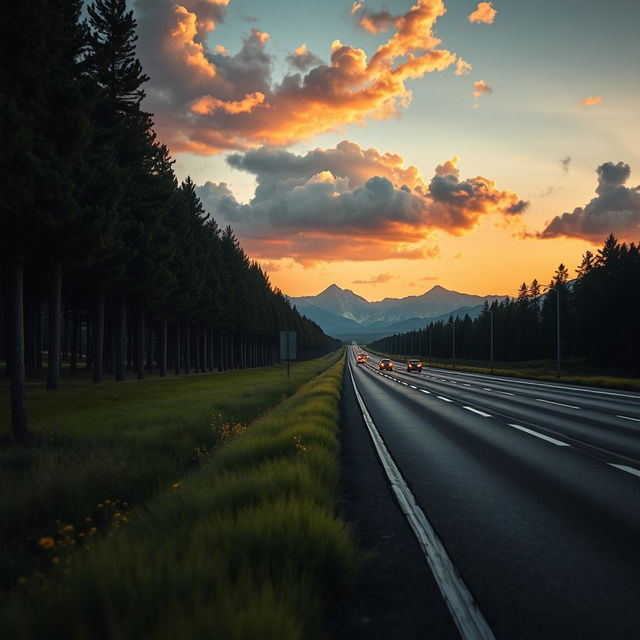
(389,147)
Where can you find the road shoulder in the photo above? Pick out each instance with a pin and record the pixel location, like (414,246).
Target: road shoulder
(396,595)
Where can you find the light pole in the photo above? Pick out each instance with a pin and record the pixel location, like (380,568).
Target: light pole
(453,333)
(557,291)
(491,316)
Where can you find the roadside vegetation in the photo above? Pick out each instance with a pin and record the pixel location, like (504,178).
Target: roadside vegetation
(248,546)
(98,450)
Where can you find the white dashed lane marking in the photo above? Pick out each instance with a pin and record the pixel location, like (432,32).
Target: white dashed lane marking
(443,398)
(559,443)
(629,418)
(559,404)
(480,413)
(622,467)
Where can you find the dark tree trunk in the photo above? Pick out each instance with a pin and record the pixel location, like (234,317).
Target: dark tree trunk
(178,355)
(150,348)
(15,351)
(98,339)
(75,341)
(130,345)
(64,346)
(162,339)
(205,351)
(140,335)
(39,337)
(220,353)
(55,311)
(120,341)
(31,336)
(187,347)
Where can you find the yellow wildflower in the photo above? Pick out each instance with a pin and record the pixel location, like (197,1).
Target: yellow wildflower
(46,542)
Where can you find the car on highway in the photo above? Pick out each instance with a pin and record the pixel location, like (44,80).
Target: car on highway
(386,364)
(414,365)
(361,358)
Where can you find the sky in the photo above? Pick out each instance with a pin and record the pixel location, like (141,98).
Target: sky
(391,146)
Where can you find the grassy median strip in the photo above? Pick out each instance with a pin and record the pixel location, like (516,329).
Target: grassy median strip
(99,449)
(246,547)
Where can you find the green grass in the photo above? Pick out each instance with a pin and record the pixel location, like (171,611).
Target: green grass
(248,546)
(121,442)
(572,371)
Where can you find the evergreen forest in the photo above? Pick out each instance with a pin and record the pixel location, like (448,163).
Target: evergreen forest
(599,318)
(106,260)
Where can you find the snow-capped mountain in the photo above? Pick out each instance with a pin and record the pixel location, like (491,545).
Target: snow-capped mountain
(341,312)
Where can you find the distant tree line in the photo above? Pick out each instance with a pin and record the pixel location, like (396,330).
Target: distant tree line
(105,258)
(599,318)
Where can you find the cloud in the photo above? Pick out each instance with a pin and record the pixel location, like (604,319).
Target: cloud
(615,209)
(355,7)
(376,22)
(302,58)
(480,88)
(351,203)
(565,163)
(383,277)
(590,101)
(462,67)
(178,51)
(484,13)
(428,279)
(458,255)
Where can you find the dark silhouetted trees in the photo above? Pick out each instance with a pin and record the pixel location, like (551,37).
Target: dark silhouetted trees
(599,312)
(106,261)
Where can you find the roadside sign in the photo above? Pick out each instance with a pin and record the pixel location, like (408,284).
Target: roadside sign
(288,344)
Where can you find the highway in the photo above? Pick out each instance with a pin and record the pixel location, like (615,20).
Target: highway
(532,488)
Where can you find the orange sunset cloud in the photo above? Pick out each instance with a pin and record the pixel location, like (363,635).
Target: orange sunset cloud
(351,203)
(480,88)
(589,101)
(484,13)
(208,102)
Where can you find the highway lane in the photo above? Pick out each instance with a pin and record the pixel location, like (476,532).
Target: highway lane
(543,529)
(604,421)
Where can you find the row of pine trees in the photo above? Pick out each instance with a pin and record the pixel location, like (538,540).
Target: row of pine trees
(599,318)
(104,257)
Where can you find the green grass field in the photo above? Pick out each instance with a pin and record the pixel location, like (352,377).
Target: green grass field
(99,449)
(248,546)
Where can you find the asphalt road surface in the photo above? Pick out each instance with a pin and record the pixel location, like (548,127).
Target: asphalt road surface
(533,488)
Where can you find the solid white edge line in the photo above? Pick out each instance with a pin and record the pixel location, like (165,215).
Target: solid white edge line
(464,610)
(629,418)
(560,404)
(558,443)
(622,467)
(480,413)
(443,398)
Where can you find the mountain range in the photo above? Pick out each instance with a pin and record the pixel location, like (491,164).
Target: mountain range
(343,314)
